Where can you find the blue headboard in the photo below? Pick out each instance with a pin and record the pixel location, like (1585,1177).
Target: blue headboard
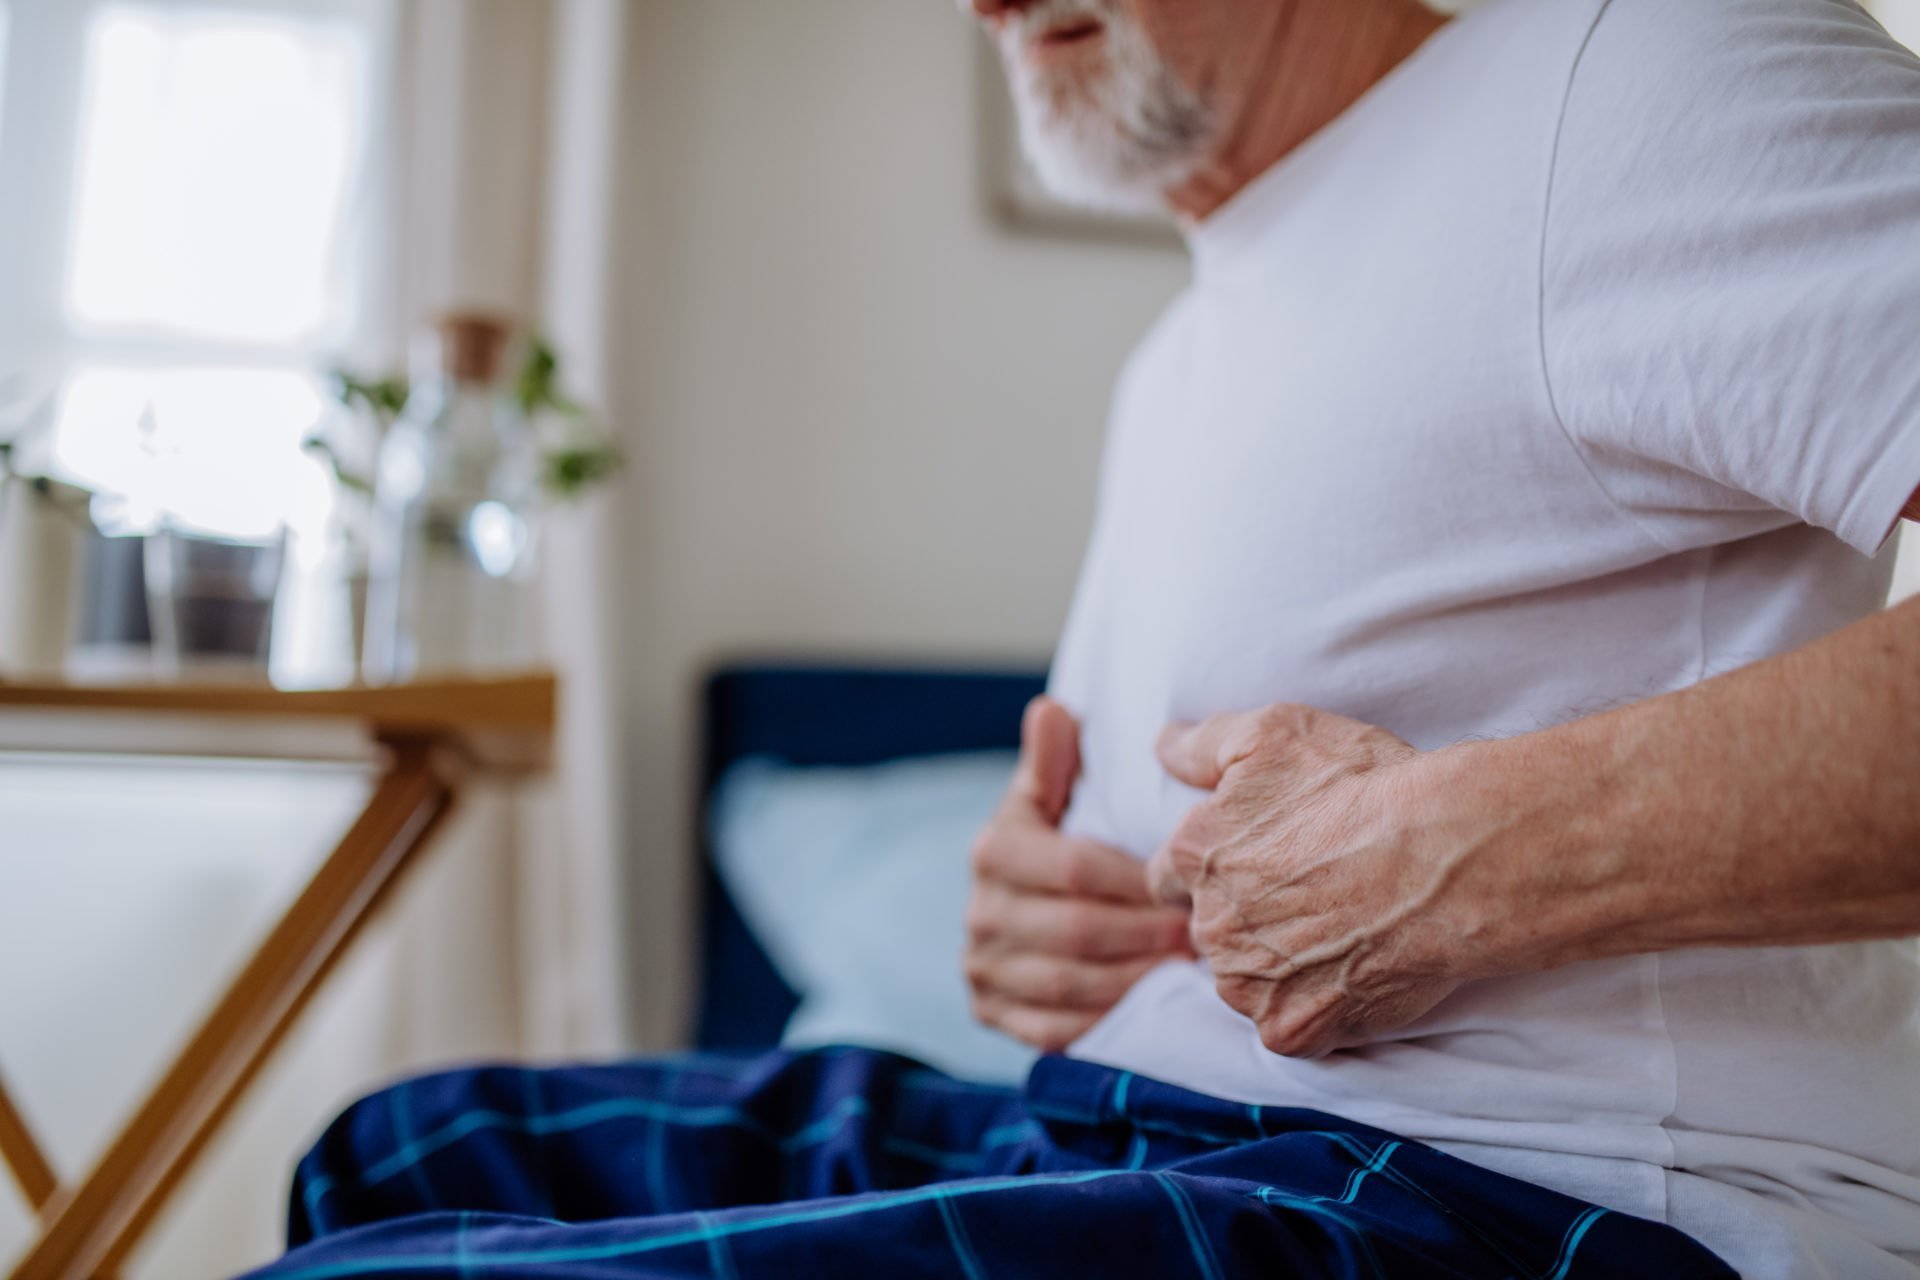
(822,715)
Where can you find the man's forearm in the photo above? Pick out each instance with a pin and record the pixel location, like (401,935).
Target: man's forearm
(1776,805)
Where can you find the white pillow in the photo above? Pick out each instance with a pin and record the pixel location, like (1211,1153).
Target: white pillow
(855,881)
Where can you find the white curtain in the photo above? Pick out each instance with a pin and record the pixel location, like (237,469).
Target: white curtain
(508,941)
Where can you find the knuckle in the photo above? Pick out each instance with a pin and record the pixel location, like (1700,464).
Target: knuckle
(1079,930)
(1051,1033)
(1054,1040)
(1274,719)
(1284,721)
(979,974)
(1208,823)
(1190,839)
(1290,1032)
(1286,1040)
(1236,992)
(1250,998)
(1054,987)
(983,853)
(1185,831)
(1274,1040)
(982,919)
(1077,874)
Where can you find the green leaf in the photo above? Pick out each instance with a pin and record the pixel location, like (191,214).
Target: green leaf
(345,478)
(537,387)
(571,471)
(384,398)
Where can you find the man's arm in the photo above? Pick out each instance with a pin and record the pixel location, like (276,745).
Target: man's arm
(1342,883)
(1776,805)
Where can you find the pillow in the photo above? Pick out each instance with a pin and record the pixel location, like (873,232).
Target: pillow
(855,881)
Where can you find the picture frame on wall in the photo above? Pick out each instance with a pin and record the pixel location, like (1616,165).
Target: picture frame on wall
(1013,192)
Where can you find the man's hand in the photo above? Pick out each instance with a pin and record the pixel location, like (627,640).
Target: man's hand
(1058,928)
(1319,895)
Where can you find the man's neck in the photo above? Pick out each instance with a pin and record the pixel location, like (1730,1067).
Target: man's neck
(1295,76)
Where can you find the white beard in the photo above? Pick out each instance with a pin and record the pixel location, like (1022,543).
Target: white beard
(1120,138)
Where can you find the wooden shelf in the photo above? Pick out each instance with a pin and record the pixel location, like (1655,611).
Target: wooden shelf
(504,723)
(517,702)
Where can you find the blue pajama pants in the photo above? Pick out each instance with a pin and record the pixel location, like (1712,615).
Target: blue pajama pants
(854,1163)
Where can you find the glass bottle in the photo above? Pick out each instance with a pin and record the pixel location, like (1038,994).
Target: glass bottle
(452,588)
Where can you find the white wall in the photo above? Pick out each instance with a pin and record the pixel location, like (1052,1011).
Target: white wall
(1901,17)
(867,417)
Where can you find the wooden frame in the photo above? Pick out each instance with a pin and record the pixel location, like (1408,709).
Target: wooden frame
(431,738)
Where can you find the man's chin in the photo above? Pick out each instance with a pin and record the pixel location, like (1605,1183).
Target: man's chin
(1083,176)
(1101,197)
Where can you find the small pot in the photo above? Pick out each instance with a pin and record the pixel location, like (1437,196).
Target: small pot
(43,529)
(211,604)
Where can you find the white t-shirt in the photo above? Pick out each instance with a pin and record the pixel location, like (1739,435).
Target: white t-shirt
(1578,361)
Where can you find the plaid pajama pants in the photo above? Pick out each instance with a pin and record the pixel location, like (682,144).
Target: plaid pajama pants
(855,1163)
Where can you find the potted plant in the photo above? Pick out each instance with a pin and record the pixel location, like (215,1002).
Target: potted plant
(568,449)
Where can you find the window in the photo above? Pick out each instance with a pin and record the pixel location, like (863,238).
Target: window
(183,241)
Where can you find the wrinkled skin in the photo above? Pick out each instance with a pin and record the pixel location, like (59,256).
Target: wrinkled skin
(1322,894)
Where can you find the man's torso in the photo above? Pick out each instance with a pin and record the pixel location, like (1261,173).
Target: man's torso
(1337,476)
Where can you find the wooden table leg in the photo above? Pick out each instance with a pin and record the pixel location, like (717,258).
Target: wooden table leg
(23,1155)
(90,1229)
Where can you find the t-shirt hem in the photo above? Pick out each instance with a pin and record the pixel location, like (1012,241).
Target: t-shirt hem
(1873,513)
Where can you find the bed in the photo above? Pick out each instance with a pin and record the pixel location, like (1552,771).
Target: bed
(808,716)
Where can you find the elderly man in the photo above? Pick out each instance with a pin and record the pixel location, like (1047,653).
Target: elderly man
(1546,395)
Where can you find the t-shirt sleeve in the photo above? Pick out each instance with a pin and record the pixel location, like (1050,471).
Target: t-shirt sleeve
(1730,297)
